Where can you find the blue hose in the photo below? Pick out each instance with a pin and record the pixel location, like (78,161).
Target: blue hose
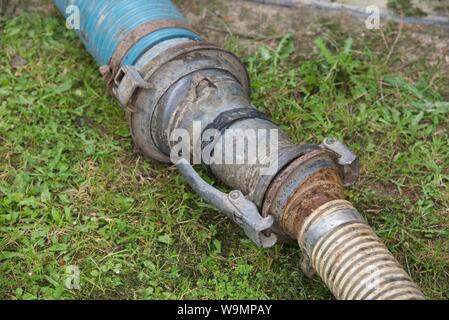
(105,23)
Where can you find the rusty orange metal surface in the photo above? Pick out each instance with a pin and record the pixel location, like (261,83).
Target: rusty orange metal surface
(321,186)
(324,186)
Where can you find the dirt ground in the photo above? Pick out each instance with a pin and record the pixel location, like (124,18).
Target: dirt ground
(15,7)
(259,23)
(255,23)
(427,7)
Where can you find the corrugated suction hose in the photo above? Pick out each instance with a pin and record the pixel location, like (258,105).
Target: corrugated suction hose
(350,258)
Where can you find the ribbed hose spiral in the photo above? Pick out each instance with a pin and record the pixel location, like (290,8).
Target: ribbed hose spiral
(350,258)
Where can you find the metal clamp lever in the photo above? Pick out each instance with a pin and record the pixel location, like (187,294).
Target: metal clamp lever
(346,159)
(127,80)
(234,205)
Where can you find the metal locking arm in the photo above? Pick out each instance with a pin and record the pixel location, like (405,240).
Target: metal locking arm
(234,205)
(347,160)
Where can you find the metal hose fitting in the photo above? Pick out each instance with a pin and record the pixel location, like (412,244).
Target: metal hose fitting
(349,257)
(170,82)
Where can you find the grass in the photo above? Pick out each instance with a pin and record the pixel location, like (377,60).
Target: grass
(405,7)
(75,192)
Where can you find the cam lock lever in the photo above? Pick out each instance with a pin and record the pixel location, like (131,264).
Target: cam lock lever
(234,205)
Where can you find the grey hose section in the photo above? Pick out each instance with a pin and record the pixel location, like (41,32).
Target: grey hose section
(438,21)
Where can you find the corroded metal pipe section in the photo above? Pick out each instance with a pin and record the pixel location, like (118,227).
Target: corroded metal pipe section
(306,183)
(181,93)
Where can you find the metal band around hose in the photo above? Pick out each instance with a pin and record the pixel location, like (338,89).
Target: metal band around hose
(326,224)
(225,120)
(139,33)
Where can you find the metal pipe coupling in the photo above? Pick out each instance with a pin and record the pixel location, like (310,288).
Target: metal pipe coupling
(182,97)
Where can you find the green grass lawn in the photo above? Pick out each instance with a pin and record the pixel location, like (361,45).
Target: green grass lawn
(75,192)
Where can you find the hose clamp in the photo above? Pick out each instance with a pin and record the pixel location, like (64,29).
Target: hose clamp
(323,220)
(223,122)
(328,223)
(110,71)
